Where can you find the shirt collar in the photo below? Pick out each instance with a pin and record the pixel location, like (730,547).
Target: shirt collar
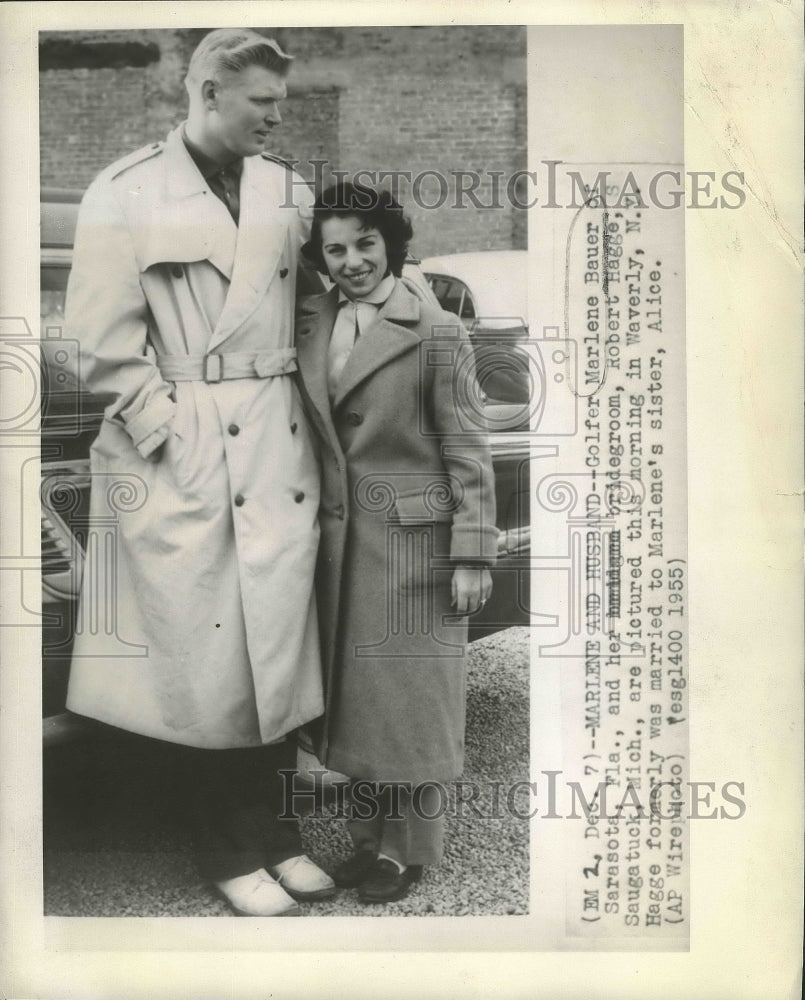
(377,296)
(206,165)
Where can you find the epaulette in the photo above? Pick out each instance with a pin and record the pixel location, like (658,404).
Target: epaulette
(139,156)
(278,159)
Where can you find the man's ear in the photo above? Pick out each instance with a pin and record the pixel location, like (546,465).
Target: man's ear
(209,94)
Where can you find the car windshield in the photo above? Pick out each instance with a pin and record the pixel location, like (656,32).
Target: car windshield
(493,283)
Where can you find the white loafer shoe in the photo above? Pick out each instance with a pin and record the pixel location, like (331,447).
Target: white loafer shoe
(303,880)
(257,895)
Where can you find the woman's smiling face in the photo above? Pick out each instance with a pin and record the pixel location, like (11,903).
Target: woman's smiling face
(355,256)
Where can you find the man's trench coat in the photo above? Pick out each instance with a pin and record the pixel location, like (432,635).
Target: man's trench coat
(197,622)
(407,493)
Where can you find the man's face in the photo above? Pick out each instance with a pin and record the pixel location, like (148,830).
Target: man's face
(242,111)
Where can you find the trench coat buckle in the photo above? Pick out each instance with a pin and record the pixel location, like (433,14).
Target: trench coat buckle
(217,373)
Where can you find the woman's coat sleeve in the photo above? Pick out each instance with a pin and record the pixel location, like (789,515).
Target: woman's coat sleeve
(460,423)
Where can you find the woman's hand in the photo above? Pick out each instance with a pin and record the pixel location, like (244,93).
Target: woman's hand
(471,587)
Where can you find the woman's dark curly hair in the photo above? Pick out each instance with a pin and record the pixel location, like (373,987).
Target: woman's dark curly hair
(374,209)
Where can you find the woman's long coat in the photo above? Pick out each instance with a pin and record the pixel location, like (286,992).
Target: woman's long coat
(197,622)
(407,493)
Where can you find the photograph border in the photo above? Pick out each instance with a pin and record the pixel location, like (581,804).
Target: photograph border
(744,320)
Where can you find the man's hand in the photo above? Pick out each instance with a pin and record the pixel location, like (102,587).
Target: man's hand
(470,588)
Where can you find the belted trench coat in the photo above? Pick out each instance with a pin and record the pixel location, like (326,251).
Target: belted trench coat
(197,622)
(407,494)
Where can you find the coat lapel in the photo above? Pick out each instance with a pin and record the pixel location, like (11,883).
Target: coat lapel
(187,222)
(314,325)
(261,237)
(384,341)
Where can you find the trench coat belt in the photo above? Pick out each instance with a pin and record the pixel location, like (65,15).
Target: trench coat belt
(227,365)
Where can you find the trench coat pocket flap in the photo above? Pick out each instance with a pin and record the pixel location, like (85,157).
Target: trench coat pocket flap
(433,503)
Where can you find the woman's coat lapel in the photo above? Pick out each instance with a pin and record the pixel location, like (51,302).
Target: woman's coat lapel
(314,323)
(387,339)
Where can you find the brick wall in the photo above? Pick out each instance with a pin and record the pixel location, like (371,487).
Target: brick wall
(443,98)
(461,124)
(69,100)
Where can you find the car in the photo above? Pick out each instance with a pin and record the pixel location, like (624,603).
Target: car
(486,284)
(487,290)
(71,419)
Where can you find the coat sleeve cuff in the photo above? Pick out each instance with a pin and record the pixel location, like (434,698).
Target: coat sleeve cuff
(474,544)
(154,419)
(150,444)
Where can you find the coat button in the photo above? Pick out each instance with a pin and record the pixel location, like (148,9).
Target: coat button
(354,418)
(284,272)
(240,500)
(339,512)
(177,271)
(234,430)
(293,428)
(299,497)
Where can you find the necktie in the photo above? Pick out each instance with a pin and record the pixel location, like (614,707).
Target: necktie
(345,331)
(226,185)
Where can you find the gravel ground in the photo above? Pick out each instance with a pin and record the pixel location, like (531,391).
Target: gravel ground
(115,843)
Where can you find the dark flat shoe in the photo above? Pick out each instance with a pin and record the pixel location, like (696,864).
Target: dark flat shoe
(385,883)
(353,871)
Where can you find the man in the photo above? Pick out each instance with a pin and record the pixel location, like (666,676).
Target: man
(181,295)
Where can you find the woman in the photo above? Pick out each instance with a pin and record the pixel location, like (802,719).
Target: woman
(408,533)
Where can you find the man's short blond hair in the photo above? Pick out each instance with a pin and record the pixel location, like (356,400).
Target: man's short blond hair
(232,50)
